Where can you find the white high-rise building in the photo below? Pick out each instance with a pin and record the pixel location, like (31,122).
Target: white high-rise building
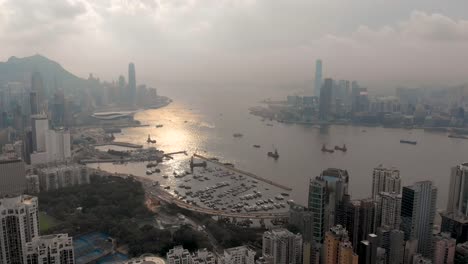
(19,225)
(57,249)
(389,210)
(282,246)
(237,255)
(203,256)
(58,145)
(458,190)
(53,178)
(40,125)
(385,180)
(178,255)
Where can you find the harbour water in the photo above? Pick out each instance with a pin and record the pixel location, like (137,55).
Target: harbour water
(204,121)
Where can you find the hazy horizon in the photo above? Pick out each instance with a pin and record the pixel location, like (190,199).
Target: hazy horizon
(381,44)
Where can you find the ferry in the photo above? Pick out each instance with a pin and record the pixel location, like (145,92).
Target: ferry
(408,142)
(274,155)
(237,135)
(344,149)
(324,149)
(149,140)
(256,146)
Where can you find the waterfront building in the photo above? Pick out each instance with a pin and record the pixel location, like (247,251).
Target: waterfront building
(337,247)
(282,246)
(385,180)
(53,178)
(12,177)
(19,225)
(178,255)
(203,256)
(131,83)
(444,249)
(389,210)
(420,259)
(237,255)
(418,208)
(392,241)
(326,100)
(318,78)
(327,194)
(57,249)
(461,253)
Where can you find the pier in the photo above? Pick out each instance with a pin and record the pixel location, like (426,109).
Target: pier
(121,144)
(243,172)
(169,155)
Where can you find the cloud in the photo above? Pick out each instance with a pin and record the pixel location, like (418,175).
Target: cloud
(375,41)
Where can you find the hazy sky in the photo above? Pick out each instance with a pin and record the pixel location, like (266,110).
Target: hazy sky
(378,42)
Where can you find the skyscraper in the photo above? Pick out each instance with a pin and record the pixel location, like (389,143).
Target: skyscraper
(337,247)
(237,255)
(455,218)
(12,177)
(418,208)
(40,125)
(33,103)
(282,246)
(20,225)
(326,195)
(57,249)
(393,243)
(369,251)
(122,92)
(385,180)
(325,102)
(132,83)
(318,78)
(37,86)
(444,249)
(389,210)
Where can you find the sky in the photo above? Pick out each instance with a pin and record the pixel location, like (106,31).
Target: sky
(380,43)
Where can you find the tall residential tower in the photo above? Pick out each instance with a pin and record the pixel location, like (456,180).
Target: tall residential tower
(318,77)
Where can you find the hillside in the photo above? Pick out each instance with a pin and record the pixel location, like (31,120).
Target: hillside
(20,69)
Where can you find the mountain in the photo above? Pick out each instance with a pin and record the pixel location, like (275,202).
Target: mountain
(53,74)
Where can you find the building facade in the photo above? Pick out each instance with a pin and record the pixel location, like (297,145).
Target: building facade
(203,256)
(282,246)
(237,255)
(57,249)
(389,210)
(53,178)
(337,247)
(418,208)
(178,255)
(19,225)
(444,249)
(12,177)
(385,180)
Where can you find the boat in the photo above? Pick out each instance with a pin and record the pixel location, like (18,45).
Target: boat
(157,170)
(150,165)
(274,155)
(149,172)
(237,135)
(228,164)
(269,125)
(285,194)
(457,136)
(149,140)
(344,149)
(165,176)
(215,159)
(324,149)
(408,142)
(256,146)
(159,126)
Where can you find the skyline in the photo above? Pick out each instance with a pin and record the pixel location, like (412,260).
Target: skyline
(257,42)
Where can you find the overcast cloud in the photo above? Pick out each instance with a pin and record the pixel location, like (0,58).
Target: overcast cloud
(380,43)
